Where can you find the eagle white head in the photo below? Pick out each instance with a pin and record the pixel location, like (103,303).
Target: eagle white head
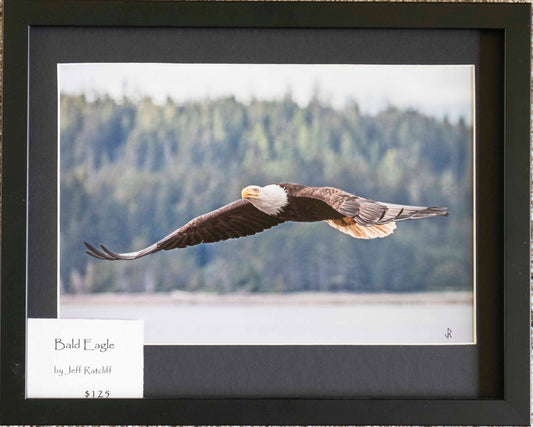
(270,199)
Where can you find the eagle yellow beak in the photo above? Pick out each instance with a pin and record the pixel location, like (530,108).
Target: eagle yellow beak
(250,193)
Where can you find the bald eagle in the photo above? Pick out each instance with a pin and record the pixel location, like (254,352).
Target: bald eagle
(261,208)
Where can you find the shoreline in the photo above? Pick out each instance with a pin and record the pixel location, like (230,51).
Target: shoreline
(300,298)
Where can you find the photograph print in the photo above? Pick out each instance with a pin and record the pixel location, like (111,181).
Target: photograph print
(267,204)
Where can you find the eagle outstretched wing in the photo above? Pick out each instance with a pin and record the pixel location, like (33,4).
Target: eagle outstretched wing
(364,218)
(369,212)
(237,219)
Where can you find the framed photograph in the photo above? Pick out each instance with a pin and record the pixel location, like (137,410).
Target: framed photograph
(265,213)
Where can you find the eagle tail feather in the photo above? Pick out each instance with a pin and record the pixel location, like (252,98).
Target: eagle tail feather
(348,226)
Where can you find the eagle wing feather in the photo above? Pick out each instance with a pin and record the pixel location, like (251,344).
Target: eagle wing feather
(237,219)
(369,212)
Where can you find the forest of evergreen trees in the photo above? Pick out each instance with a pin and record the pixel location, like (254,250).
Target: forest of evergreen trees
(133,171)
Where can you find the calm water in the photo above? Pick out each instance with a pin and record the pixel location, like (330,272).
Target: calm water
(291,324)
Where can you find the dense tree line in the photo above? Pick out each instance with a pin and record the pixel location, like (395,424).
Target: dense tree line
(131,172)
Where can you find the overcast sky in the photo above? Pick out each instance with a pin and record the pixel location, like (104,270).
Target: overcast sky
(432,89)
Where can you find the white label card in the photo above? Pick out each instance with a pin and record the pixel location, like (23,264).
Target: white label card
(84,358)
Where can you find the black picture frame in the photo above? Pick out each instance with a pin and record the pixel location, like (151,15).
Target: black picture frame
(503,197)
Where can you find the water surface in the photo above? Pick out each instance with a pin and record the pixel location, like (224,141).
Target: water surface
(291,324)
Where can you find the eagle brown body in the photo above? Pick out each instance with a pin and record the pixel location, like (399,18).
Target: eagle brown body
(306,204)
(264,207)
